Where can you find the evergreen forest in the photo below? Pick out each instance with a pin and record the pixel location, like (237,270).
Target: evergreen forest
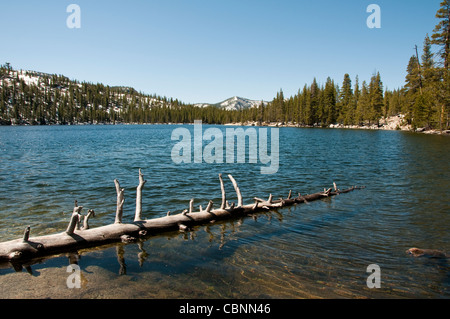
(424,100)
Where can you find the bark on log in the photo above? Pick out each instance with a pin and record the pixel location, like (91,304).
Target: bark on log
(73,239)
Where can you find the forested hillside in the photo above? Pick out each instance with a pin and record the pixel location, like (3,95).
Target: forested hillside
(28,97)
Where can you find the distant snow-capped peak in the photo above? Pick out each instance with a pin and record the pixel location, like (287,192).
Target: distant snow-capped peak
(235,103)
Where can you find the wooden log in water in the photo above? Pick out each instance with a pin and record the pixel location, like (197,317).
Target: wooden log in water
(75,238)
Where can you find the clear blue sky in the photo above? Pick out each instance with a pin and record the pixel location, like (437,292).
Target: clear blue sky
(210,50)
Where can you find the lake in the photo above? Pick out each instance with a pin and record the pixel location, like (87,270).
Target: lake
(317,250)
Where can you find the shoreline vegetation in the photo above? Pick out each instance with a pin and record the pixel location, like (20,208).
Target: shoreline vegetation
(421,105)
(392,123)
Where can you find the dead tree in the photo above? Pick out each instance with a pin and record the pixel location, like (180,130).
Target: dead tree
(75,237)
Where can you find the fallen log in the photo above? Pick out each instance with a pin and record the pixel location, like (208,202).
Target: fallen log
(76,237)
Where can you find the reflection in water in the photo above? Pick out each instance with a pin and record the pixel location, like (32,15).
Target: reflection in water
(142,256)
(254,261)
(227,230)
(121,259)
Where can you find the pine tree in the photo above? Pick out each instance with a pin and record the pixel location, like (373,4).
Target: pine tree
(363,107)
(280,106)
(427,58)
(303,102)
(419,112)
(441,38)
(312,104)
(354,103)
(427,108)
(376,98)
(345,101)
(441,35)
(329,96)
(412,76)
(411,88)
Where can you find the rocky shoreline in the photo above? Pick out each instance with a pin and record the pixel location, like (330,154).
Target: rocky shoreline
(393,123)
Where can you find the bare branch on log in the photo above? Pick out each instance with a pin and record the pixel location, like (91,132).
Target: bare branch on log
(191,206)
(120,201)
(74,220)
(336,189)
(326,192)
(210,206)
(269,203)
(138,214)
(26,234)
(290,194)
(77,209)
(90,214)
(238,191)
(224,197)
(259,199)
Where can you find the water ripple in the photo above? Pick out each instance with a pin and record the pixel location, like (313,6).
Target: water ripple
(319,249)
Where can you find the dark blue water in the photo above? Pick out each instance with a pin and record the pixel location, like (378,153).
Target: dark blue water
(320,249)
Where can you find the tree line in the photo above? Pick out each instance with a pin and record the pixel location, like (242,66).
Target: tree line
(427,89)
(322,105)
(55,99)
(424,99)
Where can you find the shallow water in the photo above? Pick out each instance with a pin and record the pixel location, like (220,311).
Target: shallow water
(316,250)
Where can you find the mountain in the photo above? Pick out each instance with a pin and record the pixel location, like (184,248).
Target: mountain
(234,103)
(37,98)
(30,97)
